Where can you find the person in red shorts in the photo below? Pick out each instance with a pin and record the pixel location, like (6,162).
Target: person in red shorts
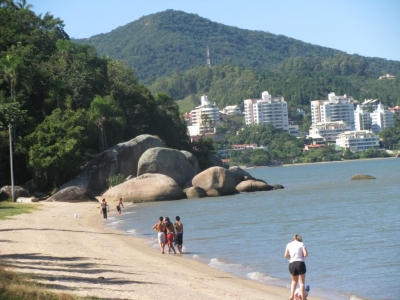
(170,234)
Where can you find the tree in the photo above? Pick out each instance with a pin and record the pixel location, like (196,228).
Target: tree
(109,119)
(202,149)
(59,147)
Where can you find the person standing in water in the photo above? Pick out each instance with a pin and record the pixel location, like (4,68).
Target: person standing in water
(296,252)
(103,206)
(170,234)
(119,204)
(178,233)
(160,228)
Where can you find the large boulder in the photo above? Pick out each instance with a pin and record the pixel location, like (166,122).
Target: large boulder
(121,159)
(146,188)
(195,192)
(170,162)
(216,178)
(240,175)
(72,194)
(19,191)
(362,177)
(193,161)
(253,186)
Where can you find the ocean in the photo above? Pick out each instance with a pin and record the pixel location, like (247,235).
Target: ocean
(350,228)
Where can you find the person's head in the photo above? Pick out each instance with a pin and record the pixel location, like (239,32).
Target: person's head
(104,200)
(177,218)
(297,237)
(160,219)
(307,288)
(120,199)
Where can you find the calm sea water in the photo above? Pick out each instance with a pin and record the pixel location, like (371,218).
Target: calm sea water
(351,228)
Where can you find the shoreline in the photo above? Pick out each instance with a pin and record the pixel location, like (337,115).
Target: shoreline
(84,257)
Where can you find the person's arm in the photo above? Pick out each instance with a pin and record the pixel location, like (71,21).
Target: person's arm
(287,254)
(122,204)
(182,227)
(155,226)
(305,252)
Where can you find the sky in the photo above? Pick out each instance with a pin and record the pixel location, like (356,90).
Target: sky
(365,27)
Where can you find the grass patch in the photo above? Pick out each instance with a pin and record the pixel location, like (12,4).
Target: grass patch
(14,286)
(185,105)
(8,209)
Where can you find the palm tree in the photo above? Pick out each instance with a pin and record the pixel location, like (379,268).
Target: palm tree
(22,5)
(10,73)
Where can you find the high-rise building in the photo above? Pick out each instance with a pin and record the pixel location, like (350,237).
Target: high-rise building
(267,110)
(336,108)
(381,119)
(205,116)
(362,119)
(375,121)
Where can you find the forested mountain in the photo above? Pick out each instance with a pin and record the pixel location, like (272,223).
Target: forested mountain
(159,44)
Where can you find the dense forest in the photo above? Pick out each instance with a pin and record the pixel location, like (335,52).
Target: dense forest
(67,104)
(229,85)
(159,44)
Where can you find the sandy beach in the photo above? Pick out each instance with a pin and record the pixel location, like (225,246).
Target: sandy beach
(81,256)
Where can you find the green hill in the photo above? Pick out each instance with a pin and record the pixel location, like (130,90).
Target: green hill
(159,44)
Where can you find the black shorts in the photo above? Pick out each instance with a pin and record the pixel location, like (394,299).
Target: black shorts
(179,238)
(119,208)
(297,268)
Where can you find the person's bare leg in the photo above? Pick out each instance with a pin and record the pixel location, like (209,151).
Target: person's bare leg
(302,281)
(293,286)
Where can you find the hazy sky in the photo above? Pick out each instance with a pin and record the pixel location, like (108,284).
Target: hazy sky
(365,27)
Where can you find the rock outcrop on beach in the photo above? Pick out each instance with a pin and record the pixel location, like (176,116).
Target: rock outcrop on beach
(121,159)
(170,162)
(146,188)
(72,194)
(155,173)
(362,177)
(19,191)
(216,178)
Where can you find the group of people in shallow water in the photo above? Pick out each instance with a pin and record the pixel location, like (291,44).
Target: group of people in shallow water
(168,234)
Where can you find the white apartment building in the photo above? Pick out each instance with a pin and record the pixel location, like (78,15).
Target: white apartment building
(381,119)
(328,131)
(267,110)
(206,108)
(358,141)
(375,121)
(336,108)
(362,119)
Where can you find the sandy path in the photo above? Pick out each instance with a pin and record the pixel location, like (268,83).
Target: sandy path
(81,256)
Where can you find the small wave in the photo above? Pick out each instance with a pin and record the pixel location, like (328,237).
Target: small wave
(196,256)
(260,277)
(227,266)
(117,222)
(132,231)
